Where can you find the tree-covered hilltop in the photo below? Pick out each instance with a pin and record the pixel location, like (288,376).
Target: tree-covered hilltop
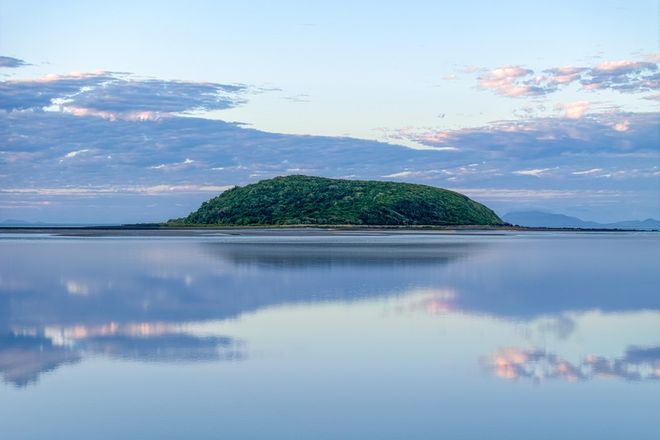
(306,200)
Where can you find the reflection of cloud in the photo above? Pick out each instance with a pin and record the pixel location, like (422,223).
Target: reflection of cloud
(562,326)
(165,348)
(514,363)
(435,301)
(24,358)
(27,353)
(77,288)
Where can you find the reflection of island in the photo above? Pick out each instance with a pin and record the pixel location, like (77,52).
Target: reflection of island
(361,254)
(194,281)
(515,363)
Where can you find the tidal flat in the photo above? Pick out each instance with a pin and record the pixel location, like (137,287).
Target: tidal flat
(315,333)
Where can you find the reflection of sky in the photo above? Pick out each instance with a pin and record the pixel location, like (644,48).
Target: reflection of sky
(392,322)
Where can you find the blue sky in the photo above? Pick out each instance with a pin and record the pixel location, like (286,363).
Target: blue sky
(125,112)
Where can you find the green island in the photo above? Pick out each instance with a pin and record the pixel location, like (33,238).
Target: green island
(308,200)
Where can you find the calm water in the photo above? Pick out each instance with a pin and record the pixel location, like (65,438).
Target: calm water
(523,336)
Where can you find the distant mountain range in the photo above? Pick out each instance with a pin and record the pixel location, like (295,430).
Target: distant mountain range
(26,224)
(550,220)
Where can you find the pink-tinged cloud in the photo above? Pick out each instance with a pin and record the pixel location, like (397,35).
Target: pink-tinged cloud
(625,76)
(113,116)
(622,126)
(624,66)
(576,110)
(508,81)
(563,75)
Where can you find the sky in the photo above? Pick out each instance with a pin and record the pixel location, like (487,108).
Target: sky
(124,112)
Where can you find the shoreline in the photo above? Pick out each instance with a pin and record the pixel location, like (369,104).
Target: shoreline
(285,230)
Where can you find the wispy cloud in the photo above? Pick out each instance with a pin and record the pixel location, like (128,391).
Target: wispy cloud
(586,172)
(101,190)
(536,172)
(11,63)
(72,154)
(113,95)
(536,194)
(173,166)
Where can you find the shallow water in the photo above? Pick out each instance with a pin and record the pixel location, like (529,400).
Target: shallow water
(403,336)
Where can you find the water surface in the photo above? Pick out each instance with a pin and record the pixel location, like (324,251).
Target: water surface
(330,336)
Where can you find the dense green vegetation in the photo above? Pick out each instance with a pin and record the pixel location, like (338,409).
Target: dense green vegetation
(305,200)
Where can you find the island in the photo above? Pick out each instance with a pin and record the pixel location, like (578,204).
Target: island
(308,200)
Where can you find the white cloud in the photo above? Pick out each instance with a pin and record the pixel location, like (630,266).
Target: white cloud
(585,172)
(77,288)
(173,166)
(533,172)
(116,189)
(71,154)
(507,81)
(522,194)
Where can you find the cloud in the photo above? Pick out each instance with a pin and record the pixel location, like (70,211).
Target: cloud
(585,172)
(622,126)
(525,194)
(173,166)
(11,63)
(72,154)
(151,95)
(533,172)
(101,190)
(577,109)
(110,135)
(543,138)
(34,94)
(410,173)
(512,81)
(563,75)
(625,76)
(113,95)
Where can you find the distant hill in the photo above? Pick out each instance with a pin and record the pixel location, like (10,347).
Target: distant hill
(549,220)
(12,223)
(306,200)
